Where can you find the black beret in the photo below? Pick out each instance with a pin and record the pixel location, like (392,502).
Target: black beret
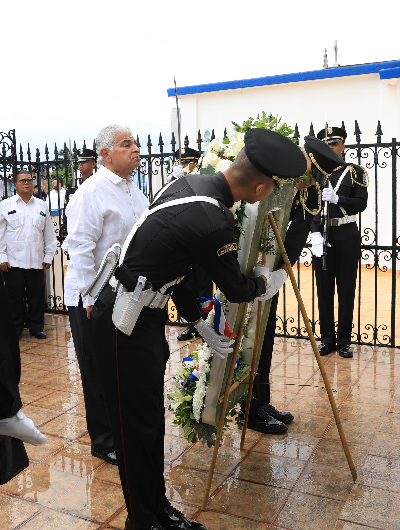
(333,134)
(322,156)
(86,154)
(187,153)
(274,154)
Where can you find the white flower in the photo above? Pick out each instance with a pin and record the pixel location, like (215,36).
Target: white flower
(198,398)
(236,206)
(206,353)
(222,165)
(236,143)
(220,297)
(204,367)
(210,159)
(210,317)
(214,146)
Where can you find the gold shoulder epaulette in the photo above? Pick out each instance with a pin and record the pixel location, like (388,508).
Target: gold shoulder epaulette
(353,175)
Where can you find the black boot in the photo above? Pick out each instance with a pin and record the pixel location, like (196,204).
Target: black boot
(284,417)
(172,519)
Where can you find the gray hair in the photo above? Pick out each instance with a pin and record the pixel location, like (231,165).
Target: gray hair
(105,139)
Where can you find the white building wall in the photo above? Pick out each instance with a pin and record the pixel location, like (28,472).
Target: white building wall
(365,98)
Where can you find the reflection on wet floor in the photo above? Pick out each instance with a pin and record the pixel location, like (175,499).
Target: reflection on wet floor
(297,481)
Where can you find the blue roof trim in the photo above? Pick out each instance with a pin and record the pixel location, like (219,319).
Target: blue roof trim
(389,73)
(326,73)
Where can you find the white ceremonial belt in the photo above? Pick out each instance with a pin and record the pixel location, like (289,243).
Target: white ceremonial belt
(339,221)
(128,305)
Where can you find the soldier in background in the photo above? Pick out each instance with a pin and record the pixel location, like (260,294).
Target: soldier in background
(347,196)
(188,162)
(87,159)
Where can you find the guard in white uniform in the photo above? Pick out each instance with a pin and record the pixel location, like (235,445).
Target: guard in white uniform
(100,213)
(27,246)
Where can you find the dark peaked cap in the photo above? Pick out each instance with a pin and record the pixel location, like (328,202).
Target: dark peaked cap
(273,154)
(86,154)
(322,156)
(333,134)
(187,153)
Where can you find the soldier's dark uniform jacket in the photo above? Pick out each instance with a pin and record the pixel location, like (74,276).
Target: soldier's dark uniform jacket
(164,248)
(173,239)
(343,254)
(352,197)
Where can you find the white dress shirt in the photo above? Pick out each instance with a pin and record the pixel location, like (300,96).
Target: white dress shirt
(100,213)
(52,199)
(27,237)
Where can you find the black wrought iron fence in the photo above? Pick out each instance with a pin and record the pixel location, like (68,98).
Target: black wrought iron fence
(380,243)
(376,319)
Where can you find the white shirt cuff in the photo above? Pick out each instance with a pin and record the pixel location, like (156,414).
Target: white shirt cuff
(88,300)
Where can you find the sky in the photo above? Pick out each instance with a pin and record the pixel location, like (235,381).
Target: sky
(70,68)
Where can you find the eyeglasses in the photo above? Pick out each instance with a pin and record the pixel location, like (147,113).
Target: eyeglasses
(25,181)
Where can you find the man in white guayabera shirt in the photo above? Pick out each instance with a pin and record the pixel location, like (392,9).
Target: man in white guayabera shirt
(27,246)
(101,213)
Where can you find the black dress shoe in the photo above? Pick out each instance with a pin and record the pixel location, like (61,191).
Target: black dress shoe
(266,424)
(110,458)
(284,417)
(171,518)
(129,526)
(39,334)
(326,349)
(189,333)
(346,351)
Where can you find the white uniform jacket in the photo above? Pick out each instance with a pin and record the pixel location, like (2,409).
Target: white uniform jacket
(27,237)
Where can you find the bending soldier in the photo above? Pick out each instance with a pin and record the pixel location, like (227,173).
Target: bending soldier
(163,248)
(264,417)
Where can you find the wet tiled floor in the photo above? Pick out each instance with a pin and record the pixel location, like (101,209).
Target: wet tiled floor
(296,481)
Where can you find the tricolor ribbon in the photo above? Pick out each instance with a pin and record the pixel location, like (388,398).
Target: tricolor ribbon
(220,323)
(194,376)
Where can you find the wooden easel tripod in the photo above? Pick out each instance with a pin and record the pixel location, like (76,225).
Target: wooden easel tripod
(321,366)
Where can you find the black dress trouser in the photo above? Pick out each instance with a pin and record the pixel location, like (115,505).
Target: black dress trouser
(26,286)
(96,412)
(132,373)
(13,457)
(296,237)
(10,360)
(342,263)
(261,386)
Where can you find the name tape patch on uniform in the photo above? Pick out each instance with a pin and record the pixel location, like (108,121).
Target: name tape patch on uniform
(12,211)
(226,248)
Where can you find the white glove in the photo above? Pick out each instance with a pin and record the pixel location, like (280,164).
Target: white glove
(317,244)
(23,428)
(261,271)
(274,282)
(177,172)
(219,344)
(329,195)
